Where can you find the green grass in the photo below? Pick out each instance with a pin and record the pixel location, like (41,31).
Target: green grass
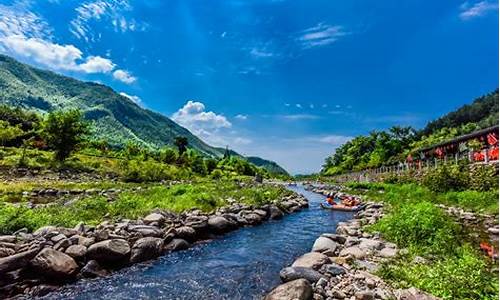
(206,196)
(397,194)
(455,270)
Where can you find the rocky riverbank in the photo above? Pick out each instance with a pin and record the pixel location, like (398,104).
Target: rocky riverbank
(37,263)
(341,265)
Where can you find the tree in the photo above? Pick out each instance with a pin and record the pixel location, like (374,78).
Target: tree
(181,142)
(64,131)
(8,132)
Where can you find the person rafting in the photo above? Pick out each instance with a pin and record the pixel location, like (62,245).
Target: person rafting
(330,200)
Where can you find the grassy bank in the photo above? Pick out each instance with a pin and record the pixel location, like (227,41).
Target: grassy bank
(439,256)
(204,195)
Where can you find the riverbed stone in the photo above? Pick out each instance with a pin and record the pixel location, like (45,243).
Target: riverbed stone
(413,294)
(299,289)
(220,224)
(177,245)
(55,264)
(186,233)
(109,251)
(333,269)
(364,295)
(4,252)
(353,251)
(293,273)
(93,269)
(16,261)
(388,252)
(312,260)
(154,218)
(146,248)
(325,245)
(335,237)
(76,251)
(275,213)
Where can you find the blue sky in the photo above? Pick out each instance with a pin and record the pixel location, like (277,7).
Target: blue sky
(282,79)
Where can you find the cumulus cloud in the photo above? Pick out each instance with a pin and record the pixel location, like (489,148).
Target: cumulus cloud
(27,36)
(320,35)
(124,76)
(241,117)
(478,9)
(194,117)
(111,11)
(136,99)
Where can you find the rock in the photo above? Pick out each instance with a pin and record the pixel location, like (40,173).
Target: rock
(253,218)
(293,273)
(413,294)
(299,289)
(8,239)
(325,246)
(335,237)
(16,261)
(338,294)
(44,230)
(364,295)
(154,218)
(146,248)
(58,237)
(76,251)
(353,251)
(4,252)
(42,290)
(51,263)
(62,244)
(177,245)
(333,269)
(370,244)
(81,240)
(186,233)
(109,251)
(262,213)
(312,260)
(92,269)
(146,230)
(220,224)
(388,252)
(275,213)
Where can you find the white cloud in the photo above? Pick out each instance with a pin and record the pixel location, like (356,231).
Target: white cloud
(28,37)
(477,9)
(242,141)
(260,52)
(241,117)
(333,139)
(136,99)
(124,76)
(203,123)
(298,105)
(299,117)
(321,35)
(111,11)
(287,104)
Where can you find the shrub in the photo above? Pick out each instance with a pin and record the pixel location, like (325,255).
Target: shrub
(146,171)
(483,178)
(420,226)
(472,200)
(64,132)
(463,275)
(447,178)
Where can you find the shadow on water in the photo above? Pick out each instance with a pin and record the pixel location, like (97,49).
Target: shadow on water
(244,264)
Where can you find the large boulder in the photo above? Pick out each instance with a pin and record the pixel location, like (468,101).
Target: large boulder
(312,260)
(186,233)
(154,218)
(50,263)
(275,213)
(76,251)
(146,248)
(299,289)
(93,269)
(293,273)
(354,251)
(177,245)
(325,245)
(220,224)
(16,261)
(253,218)
(109,251)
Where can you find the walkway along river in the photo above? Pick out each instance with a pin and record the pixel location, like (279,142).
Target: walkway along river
(243,264)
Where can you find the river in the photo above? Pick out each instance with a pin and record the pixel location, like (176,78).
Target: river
(243,264)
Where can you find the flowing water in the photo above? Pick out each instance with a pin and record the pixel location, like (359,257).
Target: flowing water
(243,264)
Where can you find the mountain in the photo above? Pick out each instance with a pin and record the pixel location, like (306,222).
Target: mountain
(270,166)
(116,118)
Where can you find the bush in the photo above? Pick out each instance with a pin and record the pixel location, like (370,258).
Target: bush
(447,178)
(483,178)
(64,132)
(422,227)
(472,200)
(147,171)
(463,275)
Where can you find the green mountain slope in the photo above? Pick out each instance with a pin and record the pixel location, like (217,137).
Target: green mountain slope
(271,166)
(116,118)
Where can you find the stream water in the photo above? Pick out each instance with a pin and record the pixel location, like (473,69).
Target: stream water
(243,264)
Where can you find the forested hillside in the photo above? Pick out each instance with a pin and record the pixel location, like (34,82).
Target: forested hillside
(394,144)
(115,118)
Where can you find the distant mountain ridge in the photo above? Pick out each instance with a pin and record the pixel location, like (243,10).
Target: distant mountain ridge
(117,119)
